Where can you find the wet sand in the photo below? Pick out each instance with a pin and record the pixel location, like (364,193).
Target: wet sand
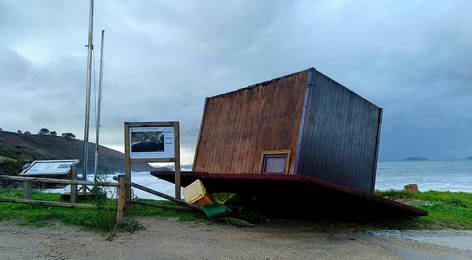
(171,239)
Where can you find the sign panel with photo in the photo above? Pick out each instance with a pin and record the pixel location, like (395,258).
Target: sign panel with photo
(151,142)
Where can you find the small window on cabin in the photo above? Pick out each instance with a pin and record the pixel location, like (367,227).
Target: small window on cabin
(275,162)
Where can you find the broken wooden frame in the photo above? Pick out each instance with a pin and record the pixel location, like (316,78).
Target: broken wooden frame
(185,206)
(175,158)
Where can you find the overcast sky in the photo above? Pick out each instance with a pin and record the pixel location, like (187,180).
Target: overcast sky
(162,58)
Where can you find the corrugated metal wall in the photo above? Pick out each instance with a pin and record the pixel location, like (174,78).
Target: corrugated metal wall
(238,126)
(339,135)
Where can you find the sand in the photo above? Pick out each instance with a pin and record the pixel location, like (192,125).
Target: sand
(171,239)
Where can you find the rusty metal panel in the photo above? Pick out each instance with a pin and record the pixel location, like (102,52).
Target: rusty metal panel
(238,126)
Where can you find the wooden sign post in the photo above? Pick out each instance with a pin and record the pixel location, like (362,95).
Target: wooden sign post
(150,142)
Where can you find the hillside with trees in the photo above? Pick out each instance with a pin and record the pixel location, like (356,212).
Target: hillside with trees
(18,149)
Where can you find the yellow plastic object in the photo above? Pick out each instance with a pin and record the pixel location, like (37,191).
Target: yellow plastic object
(194,192)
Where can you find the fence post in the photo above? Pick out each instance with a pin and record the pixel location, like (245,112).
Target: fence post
(177,160)
(73,187)
(27,190)
(121,203)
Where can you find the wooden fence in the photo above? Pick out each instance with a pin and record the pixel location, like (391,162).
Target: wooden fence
(121,185)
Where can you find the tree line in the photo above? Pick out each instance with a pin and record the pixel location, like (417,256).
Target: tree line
(45,131)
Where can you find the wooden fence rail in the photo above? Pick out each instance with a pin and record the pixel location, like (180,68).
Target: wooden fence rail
(54,203)
(58,181)
(122,186)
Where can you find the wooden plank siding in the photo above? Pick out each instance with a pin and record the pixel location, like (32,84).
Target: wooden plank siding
(238,126)
(339,135)
(331,132)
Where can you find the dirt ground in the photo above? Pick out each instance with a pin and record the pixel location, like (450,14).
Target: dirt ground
(171,239)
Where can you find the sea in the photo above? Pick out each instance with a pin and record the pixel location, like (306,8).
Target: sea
(452,175)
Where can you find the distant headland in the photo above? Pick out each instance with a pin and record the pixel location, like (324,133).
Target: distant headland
(416,159)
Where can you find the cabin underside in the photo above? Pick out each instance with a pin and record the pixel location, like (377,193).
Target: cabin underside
(297,196)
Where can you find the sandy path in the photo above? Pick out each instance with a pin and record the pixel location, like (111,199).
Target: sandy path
(170,239)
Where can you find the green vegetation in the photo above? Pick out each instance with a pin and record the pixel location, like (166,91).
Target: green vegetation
(13,153)
(9,166)
(98,219)
(447,210)
(12,158)
(4,158)
(26,148)
(43,131)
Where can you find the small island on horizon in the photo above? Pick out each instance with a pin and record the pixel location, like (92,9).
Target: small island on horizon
(469,158)
(415,159)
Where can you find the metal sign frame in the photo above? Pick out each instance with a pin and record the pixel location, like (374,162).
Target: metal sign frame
(73,162)
(175,159)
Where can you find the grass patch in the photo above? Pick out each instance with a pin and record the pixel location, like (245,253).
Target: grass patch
(447,210)
(92,219)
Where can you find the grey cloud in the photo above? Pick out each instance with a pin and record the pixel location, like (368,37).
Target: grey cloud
(162,58)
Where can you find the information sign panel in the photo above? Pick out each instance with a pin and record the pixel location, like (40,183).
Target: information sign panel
(50,167)
(151,142)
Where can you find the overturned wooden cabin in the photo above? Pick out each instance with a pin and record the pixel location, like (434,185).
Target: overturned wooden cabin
(300,146)
(300,124)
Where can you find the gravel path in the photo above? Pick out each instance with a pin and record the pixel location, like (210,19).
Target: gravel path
(170,239)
